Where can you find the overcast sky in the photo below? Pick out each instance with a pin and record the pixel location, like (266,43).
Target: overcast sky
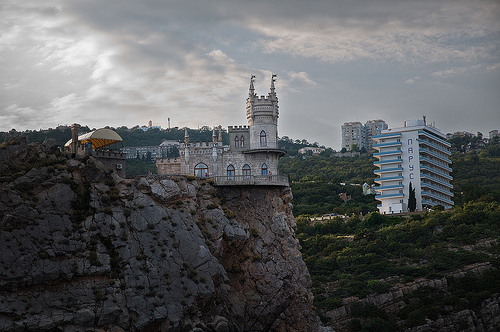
(126,62)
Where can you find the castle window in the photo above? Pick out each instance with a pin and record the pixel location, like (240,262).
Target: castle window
(264,169)
(246,172)
(236,142)
(263,138)
(201,170)
(242,142)
(230,172)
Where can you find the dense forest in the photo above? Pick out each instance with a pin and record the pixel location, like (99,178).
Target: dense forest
(365,257)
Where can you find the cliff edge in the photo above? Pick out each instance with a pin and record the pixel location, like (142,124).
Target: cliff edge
(83,249)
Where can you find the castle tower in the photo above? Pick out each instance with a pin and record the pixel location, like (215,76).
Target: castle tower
(262,116)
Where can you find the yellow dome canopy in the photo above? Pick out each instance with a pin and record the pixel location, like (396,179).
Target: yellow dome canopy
(99,138)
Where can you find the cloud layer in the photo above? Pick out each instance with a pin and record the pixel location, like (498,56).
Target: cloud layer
(128,62)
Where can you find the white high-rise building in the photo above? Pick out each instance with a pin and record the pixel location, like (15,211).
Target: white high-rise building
(416,153)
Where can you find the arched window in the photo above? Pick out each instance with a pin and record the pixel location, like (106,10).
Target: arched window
(246,172)
(230,172)
(263,138)
(236,142)
(201,170)
(264,169)
(242,142)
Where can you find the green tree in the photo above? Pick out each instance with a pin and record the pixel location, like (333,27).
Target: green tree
(412,200)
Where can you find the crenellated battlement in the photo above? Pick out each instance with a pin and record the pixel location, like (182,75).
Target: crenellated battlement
(237,128)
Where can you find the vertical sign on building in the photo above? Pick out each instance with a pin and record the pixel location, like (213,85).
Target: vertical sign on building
(411,165)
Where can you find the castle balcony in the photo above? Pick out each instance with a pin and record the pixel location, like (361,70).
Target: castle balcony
(251,180)
(267,150)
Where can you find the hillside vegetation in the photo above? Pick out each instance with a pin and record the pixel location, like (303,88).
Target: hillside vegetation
(430,271)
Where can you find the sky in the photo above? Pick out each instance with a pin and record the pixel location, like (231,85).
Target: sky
(124,63)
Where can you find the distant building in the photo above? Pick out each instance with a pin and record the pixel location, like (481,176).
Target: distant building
(167,149)
(150,126)
(493,133)
(344,197)
(362,135)
(314,150)
(373,128)
(418,154)
(368,190)
(353,133)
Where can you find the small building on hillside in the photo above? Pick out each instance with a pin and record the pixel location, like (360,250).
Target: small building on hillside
(96,143)
(252,156)
(312,149)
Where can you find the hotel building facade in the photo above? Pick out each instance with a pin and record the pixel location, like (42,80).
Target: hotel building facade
(418,154)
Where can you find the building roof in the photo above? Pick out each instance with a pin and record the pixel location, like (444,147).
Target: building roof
(99,138)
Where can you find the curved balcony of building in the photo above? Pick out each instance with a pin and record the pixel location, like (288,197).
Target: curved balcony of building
(434,146)
(388,170)
(387,162)
(435,171)
(435,155)
(437,198)
(434,179)
(384,136)
(388,153)
(434,163)
(397,195)
(386,145)
(390,178)
(396,186)
(434,138)
(443,191)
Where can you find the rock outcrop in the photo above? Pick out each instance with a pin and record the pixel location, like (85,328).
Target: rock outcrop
(83,249)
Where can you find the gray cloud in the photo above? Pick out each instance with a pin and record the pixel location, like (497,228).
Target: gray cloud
(124,63)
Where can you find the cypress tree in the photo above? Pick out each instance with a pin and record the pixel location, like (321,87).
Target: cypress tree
(412,200)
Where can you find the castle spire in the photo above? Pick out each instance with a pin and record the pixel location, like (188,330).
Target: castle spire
(186,135)
(251,91)
(214,137)
(273,79)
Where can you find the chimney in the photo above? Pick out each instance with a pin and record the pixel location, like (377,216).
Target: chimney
(74,137)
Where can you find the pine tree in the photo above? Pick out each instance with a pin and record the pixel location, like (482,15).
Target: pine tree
(412,200)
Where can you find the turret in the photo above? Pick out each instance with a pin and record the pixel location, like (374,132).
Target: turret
(262,116)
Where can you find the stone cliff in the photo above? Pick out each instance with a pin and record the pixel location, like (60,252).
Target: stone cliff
(83,249)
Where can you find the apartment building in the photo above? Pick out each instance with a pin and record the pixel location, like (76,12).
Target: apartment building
(362,135)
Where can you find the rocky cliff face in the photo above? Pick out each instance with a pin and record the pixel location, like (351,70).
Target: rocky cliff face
(82,249)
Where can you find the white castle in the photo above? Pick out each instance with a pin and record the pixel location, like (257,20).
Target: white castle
(251,158)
